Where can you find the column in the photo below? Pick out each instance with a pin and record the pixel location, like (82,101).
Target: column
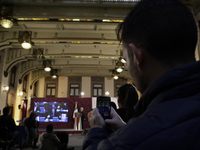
(109,86)
(29,91)
(41,86)
(3,82)
(18,100)
(62,86)
(86,86)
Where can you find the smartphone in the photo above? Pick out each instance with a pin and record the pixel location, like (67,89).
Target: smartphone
(103,105)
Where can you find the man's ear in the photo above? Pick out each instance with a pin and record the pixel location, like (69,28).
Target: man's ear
(137,52)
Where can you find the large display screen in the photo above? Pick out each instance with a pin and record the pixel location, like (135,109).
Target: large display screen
(51,111)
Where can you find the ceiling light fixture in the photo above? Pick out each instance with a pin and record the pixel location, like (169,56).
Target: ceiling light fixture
(115,74)
(38,54)
(115,77)
(121,57)
(54,73)
(47,65)
(25,39)
(26,45)
(119,66)
(6,16)
(47,69)
(54,76)
(6,23)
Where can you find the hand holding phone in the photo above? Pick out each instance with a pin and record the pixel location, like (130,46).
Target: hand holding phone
(103,105)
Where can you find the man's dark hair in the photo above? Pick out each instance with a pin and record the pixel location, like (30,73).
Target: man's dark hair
(166,29)
(49,128)
(6,110)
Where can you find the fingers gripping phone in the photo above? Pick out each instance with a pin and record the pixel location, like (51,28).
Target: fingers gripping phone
(103,105)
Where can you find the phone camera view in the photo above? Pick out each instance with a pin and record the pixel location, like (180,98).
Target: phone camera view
(103,105)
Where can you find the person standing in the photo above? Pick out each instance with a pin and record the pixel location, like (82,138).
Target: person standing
(32,126)
(82,114)
(127,99)
(7,121)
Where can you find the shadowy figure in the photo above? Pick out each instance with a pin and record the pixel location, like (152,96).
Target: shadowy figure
(49,140)
(127,98)
(32,126)
(82,114)
(7,121)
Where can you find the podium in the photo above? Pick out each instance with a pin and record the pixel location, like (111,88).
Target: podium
(77,122)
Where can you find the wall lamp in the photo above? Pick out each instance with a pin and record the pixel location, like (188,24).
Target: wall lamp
(107,93)
(20,93)
(119,67)
(5,88)
(47,65)
(25,39)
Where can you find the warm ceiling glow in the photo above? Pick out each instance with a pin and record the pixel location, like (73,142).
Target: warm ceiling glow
(47,69)
(6,23)
(26,45)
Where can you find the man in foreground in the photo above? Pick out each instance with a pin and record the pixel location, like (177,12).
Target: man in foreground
(159,40)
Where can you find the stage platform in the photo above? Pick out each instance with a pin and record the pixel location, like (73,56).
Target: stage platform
(70,131)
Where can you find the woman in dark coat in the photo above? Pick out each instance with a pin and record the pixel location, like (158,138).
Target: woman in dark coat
(127,98)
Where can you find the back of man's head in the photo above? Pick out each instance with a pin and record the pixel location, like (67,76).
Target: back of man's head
(49,128)
(6,110)
(32,114)
(166,29)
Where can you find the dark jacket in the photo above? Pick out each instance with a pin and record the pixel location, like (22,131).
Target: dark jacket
(32,125)
(168,116)
(8,121)
(122,113)
(30,121)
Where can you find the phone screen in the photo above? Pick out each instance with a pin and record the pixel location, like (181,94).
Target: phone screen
(103,105)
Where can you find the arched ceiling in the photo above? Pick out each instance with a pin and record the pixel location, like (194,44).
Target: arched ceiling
(78,36)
